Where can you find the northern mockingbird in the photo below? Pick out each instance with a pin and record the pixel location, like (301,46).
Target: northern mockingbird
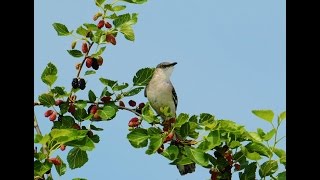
(161,93)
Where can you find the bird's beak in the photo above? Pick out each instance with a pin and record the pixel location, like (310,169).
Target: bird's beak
(174,63)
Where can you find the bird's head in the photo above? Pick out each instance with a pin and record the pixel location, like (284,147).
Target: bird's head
(165,68)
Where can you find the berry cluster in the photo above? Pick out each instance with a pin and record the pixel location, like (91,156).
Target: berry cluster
(93,109)
(109,37)
(94,62)
(51,114)
(78,83)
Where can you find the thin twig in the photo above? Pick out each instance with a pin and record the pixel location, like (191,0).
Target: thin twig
(84,59)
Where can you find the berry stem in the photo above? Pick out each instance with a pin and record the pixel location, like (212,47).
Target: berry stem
(84,59)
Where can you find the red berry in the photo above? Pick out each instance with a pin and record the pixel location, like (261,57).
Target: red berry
(84,47)
(169,137)
(53,116)
(100,24)
(48,113)
(111,39)
(214,175)
(76,126)
(237,167)
(121,103)
(106,99)
(100,60)
(134,122)
(62,147)
(55,161)
(132,103)
(71,108)
(172,120)
(58,102)
(141,105)
(89,62)
(107,25)
(94,109)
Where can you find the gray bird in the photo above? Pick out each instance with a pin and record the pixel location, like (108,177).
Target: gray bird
(161,93)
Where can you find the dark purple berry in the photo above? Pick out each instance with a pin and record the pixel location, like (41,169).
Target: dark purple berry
(132,103)
(75,83)
(95,64)
(82,84)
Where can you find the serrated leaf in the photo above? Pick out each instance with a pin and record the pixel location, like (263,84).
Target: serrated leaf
(268,168)
(107,112)
(254,136)
(85,144)
(249,172)
(92,97)
(133,92)
(181,119)
(143,76)
(77,158)
(62,136)
(107,82)
(194,119)
(252,156)
(61,29)
(155,142)
(121,19)
(88,72)
(95,128)
(128,32)
(259,148)
(171,152)
(269,135)
(185,130)
(138,138)
(197,156)
(62,168)
(264,114)
(120,87)
(148,114)
(98,53)
(234,144)
(75,53)
(206,119)
(49,74)
(67,122)
(58,90)
(92,27)
(211,141)
(80,114)
(282,176)
(81,104)
(154,131)
(82,31)
(40,156)
(46,100)
(40,168)
(95,138)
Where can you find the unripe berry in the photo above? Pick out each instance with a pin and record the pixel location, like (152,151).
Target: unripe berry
(100,24)
(89,62)
(84,47)
(132,103)
(53,116)
(48,113)
(107,25)
(111,39)
(96,16)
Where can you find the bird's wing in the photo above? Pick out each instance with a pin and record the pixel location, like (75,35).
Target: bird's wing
(175,98)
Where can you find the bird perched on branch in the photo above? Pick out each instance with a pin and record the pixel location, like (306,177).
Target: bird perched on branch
(161,93)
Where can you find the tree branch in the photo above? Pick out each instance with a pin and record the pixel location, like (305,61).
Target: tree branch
(84,59)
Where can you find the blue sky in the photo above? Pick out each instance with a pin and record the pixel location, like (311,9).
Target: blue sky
(231,60)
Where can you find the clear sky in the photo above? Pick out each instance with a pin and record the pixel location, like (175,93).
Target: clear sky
(231,60)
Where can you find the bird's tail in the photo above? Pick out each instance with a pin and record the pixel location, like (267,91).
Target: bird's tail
(185,169)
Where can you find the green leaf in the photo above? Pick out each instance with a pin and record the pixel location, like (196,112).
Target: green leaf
(95,128)
(155,143)
(268,168)
(77,158)
(281,154)
(37,138)
(81,104)
(75,53)
(254,136)
(269,135)
(92,97)
(234,144)
(98,53)
(148,114)
(211,141)
(67,122)
(79,179)
(171,152)
(49,74)
(120,87)
(64,107)
(80,114)
(105,92)
(154,131)
(82,31)
(128,32)
(194,119)
(46,100)
(143,76)
(249,172)
(264,114)
(206,119)
(252,156)
(259,148)
(135,1)
(61,169)
(61,29)
(92,27)
(282,176)
(45,139)
(121,19)
(85,144)
(282,117)
(133,92)
(197,156)
(63,136)
(138,138)
(40,156)
(183,160)
(181,119)
(88,72)
(95,138)
(185,130)
(107,82)
(118,8)
(59,90)
(40,168)
(108,112)
(99,2)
